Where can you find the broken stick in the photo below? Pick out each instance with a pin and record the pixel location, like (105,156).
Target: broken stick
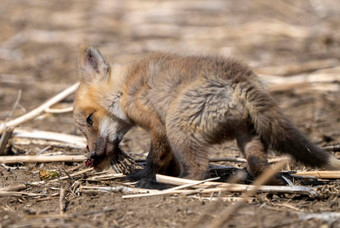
(36,112)
(41,158)
(23,194)
(61,201)
(173,190)
(221,186)
(320,174)
(4,140)
(73,140)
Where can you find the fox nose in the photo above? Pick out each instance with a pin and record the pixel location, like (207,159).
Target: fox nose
(93,155)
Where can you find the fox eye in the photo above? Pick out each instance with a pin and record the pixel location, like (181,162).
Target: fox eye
(89,119)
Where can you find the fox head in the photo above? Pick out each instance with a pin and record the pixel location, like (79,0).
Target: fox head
(97,111)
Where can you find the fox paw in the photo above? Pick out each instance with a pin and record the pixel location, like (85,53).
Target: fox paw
(137,175)
(151,184)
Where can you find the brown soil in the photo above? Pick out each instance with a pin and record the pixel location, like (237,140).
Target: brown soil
(38,53)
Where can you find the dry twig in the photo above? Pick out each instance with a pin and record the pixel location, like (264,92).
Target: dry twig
(334,148)
(36,112)
(243,160)
(224,199)
(59,110)
(6,135)
(173,190)
(21,194)
(124,189)
(42,158)
(319,174)
(106,177)
(17,187)
(69,140)
(61,201)
(7,132)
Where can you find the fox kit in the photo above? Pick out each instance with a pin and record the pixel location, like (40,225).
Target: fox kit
(187,104)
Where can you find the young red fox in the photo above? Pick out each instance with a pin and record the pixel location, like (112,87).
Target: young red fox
(187,104)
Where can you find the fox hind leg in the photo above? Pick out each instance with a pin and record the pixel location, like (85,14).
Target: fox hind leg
(255,152)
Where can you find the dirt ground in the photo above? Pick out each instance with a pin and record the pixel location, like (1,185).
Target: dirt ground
(38,55)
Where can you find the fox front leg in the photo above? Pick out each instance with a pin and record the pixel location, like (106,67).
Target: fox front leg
(160,160)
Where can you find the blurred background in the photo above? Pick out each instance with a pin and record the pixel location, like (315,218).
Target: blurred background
(294,45)
(39,39)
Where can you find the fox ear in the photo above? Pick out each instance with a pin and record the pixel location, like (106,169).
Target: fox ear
(92,64)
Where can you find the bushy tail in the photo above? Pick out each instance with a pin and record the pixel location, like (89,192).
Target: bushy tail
(276,130)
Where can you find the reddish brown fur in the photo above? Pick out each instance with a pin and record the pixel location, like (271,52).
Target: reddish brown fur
(188,103)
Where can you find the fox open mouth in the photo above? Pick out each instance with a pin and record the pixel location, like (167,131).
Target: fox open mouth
(94,160)
(104,149)
(108,153)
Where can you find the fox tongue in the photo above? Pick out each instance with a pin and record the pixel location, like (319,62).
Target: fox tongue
(94,159)
(99,154)
(89,162)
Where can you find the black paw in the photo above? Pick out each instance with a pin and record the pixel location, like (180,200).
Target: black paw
(151,184)
(137,175)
